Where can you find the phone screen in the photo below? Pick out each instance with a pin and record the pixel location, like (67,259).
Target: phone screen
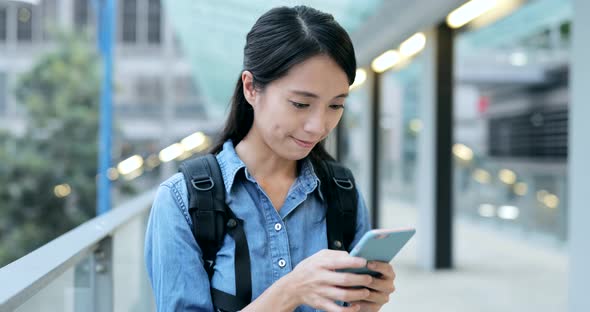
(380,245)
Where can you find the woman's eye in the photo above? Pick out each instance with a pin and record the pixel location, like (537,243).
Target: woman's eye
(336,106)
(299,105)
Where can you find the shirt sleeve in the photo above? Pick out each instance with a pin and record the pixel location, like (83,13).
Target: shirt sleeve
(172,256)
(363,224)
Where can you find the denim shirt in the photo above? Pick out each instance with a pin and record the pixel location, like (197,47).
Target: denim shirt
(277,241)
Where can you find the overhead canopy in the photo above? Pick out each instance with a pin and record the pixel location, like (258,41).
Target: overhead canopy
(213,34)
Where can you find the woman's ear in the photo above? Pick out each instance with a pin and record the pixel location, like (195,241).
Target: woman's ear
(248,86)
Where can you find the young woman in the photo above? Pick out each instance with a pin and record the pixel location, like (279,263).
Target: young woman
(298,66)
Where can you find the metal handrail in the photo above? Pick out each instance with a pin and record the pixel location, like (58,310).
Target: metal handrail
(25,277)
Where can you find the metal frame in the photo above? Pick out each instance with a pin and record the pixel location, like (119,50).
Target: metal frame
(579,168)
(375,140)
(443,253)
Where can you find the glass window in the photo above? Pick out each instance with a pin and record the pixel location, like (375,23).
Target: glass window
(24,29)
(81,16)
(129,21)
(511,120)
(3,21)
(399,127)
(141,96)
(154,21)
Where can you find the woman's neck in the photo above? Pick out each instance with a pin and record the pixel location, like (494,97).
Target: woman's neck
(261,161)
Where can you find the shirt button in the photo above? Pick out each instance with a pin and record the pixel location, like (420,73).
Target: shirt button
(282,263)
(278,227)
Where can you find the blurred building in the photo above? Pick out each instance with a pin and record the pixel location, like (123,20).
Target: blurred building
(156,101)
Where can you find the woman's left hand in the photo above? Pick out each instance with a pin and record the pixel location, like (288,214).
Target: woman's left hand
(380,288)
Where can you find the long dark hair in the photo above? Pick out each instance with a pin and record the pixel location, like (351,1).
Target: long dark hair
(281,38)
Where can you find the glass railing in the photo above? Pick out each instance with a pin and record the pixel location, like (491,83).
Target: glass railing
(97,266)
(526,196)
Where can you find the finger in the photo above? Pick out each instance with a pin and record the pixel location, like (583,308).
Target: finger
(337,259)
(367,306)
(344,294)
(328,305)
(347,279)
(384,268)
(343,262)
(381,285)
(377,297)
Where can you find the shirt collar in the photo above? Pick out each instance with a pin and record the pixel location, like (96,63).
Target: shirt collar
(230,164)
(308,179)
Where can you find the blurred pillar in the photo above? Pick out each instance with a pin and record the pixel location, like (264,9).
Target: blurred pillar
(106,22)
(375,139)
(579,159)
(434,173)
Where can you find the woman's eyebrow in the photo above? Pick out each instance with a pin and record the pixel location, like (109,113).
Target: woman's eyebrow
(315,96)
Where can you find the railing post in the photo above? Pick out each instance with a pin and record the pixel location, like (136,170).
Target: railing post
(101,277)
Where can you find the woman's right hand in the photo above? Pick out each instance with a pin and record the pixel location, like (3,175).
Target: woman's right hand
(315,282)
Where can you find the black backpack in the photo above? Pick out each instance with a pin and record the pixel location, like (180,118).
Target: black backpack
(212,219)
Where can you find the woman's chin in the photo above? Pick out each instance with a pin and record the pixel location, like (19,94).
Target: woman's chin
(295,154)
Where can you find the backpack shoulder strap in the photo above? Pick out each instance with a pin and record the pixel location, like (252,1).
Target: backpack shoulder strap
(339,189)
(212,219)
(207,209)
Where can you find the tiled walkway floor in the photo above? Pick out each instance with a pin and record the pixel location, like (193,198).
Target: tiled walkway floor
(494,271)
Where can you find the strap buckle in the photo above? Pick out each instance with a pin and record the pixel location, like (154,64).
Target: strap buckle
(203,184)
(345,184)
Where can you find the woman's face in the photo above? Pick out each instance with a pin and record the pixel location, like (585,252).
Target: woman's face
(294,113)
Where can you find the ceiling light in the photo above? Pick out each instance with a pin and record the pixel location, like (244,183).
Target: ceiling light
(520,188)
(463,152)
(130,164)
(507,176)
(360,78)
(508,212)
(62,190)
(385,61)
(413,45)
(481,176)
(469,11)
(171,152)
(193,141)
(487,210)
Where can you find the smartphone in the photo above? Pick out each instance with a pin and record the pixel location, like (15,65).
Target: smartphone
(380,245)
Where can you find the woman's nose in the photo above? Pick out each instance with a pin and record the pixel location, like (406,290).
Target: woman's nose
(315,124)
